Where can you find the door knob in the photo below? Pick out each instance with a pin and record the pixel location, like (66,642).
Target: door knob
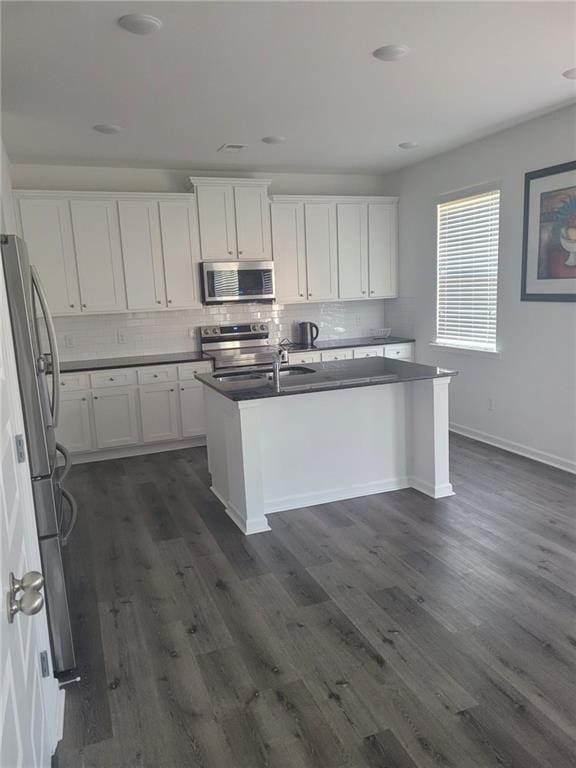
(30,601)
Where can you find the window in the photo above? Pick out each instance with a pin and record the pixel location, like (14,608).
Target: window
(467,271)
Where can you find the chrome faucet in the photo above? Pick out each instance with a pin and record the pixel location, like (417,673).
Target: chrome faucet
(276,363)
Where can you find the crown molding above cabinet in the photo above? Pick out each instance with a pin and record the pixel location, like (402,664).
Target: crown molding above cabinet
(103,252)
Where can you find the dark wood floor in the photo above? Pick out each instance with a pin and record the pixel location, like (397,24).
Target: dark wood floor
(391,631)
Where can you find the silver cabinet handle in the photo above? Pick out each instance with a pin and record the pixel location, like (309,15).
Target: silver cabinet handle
(229,253)
(84,305)
(30,601)
(158,301)
(240,253)
(71,306)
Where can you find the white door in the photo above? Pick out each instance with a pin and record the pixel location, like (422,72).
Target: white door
(289,252)
(159,412)
(252,222)
(181,247)
(47,230)
(192,414)
(75,424)
(31,706)
(352,250)
(115,419)
(216,222)
(142,253)
(321,261)
(383,249)
(98,255)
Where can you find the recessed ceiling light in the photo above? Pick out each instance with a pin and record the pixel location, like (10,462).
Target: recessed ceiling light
(391,52)
(139,23)
(273,139)
(408,145)
(107,128)
(231,148)
(570,74)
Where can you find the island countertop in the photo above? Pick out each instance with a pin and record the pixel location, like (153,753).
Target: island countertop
(341,374)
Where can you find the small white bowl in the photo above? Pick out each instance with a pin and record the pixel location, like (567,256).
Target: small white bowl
(381,333)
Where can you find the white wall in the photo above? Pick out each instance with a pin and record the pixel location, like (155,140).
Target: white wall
(533,382)
(106,179)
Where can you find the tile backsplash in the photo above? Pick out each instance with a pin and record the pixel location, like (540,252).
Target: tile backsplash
(137,333)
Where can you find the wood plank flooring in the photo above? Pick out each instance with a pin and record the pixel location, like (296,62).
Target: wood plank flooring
(391,631)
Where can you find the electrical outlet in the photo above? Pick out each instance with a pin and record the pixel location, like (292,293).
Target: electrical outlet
(68,340)
(121,338)
(491,404)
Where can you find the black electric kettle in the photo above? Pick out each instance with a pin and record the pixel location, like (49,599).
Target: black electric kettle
(308,334)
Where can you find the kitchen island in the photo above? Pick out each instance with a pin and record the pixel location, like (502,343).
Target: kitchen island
(333,431)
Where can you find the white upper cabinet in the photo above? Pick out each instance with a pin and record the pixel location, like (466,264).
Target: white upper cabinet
(289,252)
(47,229)
(321,257)
(181,246)
(234,218)
(98,254)
(142,253)
(383,249)
(352,250)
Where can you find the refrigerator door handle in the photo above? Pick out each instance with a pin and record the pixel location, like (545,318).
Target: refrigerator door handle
(73,516)
(54,357)
(67,461)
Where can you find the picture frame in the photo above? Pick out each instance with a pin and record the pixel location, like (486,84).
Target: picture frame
(549,234)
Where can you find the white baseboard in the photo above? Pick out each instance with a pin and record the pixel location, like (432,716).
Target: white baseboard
(435,491)
(521,450)
(137,450)
(253,526)
(338,494)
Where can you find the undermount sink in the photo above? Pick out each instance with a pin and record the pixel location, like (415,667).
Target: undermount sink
(234,376)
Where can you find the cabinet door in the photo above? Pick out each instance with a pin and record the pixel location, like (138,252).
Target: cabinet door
(75,426)
(181,246)
(303,358)
(252,222)
(352,250)
(289,251)
(368,352)
(216,222)
(48,234)
(399,351)
(383,249)
(321,261)
(336,354)
(192,413)
(159,412)
(115,417)
(142,253)
(98,255)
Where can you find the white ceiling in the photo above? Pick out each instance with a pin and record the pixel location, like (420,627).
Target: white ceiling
(237,71)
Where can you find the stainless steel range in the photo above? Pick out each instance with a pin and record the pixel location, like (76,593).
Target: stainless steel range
(245,345)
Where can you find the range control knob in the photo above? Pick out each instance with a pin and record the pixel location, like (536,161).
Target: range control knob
(205,331)
(215,331)
(262,327)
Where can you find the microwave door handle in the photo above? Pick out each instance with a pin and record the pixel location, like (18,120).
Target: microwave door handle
(54,358)
(73,516)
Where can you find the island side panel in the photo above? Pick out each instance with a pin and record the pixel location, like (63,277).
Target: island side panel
(339,444)
(428,450)
(233,460)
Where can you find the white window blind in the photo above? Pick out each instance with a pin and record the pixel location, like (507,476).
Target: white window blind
(467,271)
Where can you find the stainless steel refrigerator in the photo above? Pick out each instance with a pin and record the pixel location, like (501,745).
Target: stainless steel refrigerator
(55,508)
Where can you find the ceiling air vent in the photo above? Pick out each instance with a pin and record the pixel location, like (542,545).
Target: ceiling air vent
(231,148)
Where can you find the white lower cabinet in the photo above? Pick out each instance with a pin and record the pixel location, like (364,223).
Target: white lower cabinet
(368,352)
(336,354)
(192,409)
(302,358)
(399,351)
(159,412)
(74,429)
(115,417)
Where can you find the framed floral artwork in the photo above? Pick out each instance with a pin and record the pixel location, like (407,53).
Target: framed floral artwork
(549,245)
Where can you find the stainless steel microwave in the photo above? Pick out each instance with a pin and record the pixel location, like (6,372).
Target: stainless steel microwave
(224,281)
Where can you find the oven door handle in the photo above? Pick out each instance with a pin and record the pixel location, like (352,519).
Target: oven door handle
(73,516)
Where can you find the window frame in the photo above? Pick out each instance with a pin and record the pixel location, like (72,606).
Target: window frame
(449,197)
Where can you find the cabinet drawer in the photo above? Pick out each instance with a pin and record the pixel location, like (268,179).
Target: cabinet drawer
(187,371)
(157,375)
(304,357)
(73,382)
(116,377)
(368,352)
(336,354)
(399,351)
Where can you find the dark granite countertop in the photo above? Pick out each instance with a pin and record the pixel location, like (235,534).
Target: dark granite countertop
(133,361)
(341,374)
(364,341)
